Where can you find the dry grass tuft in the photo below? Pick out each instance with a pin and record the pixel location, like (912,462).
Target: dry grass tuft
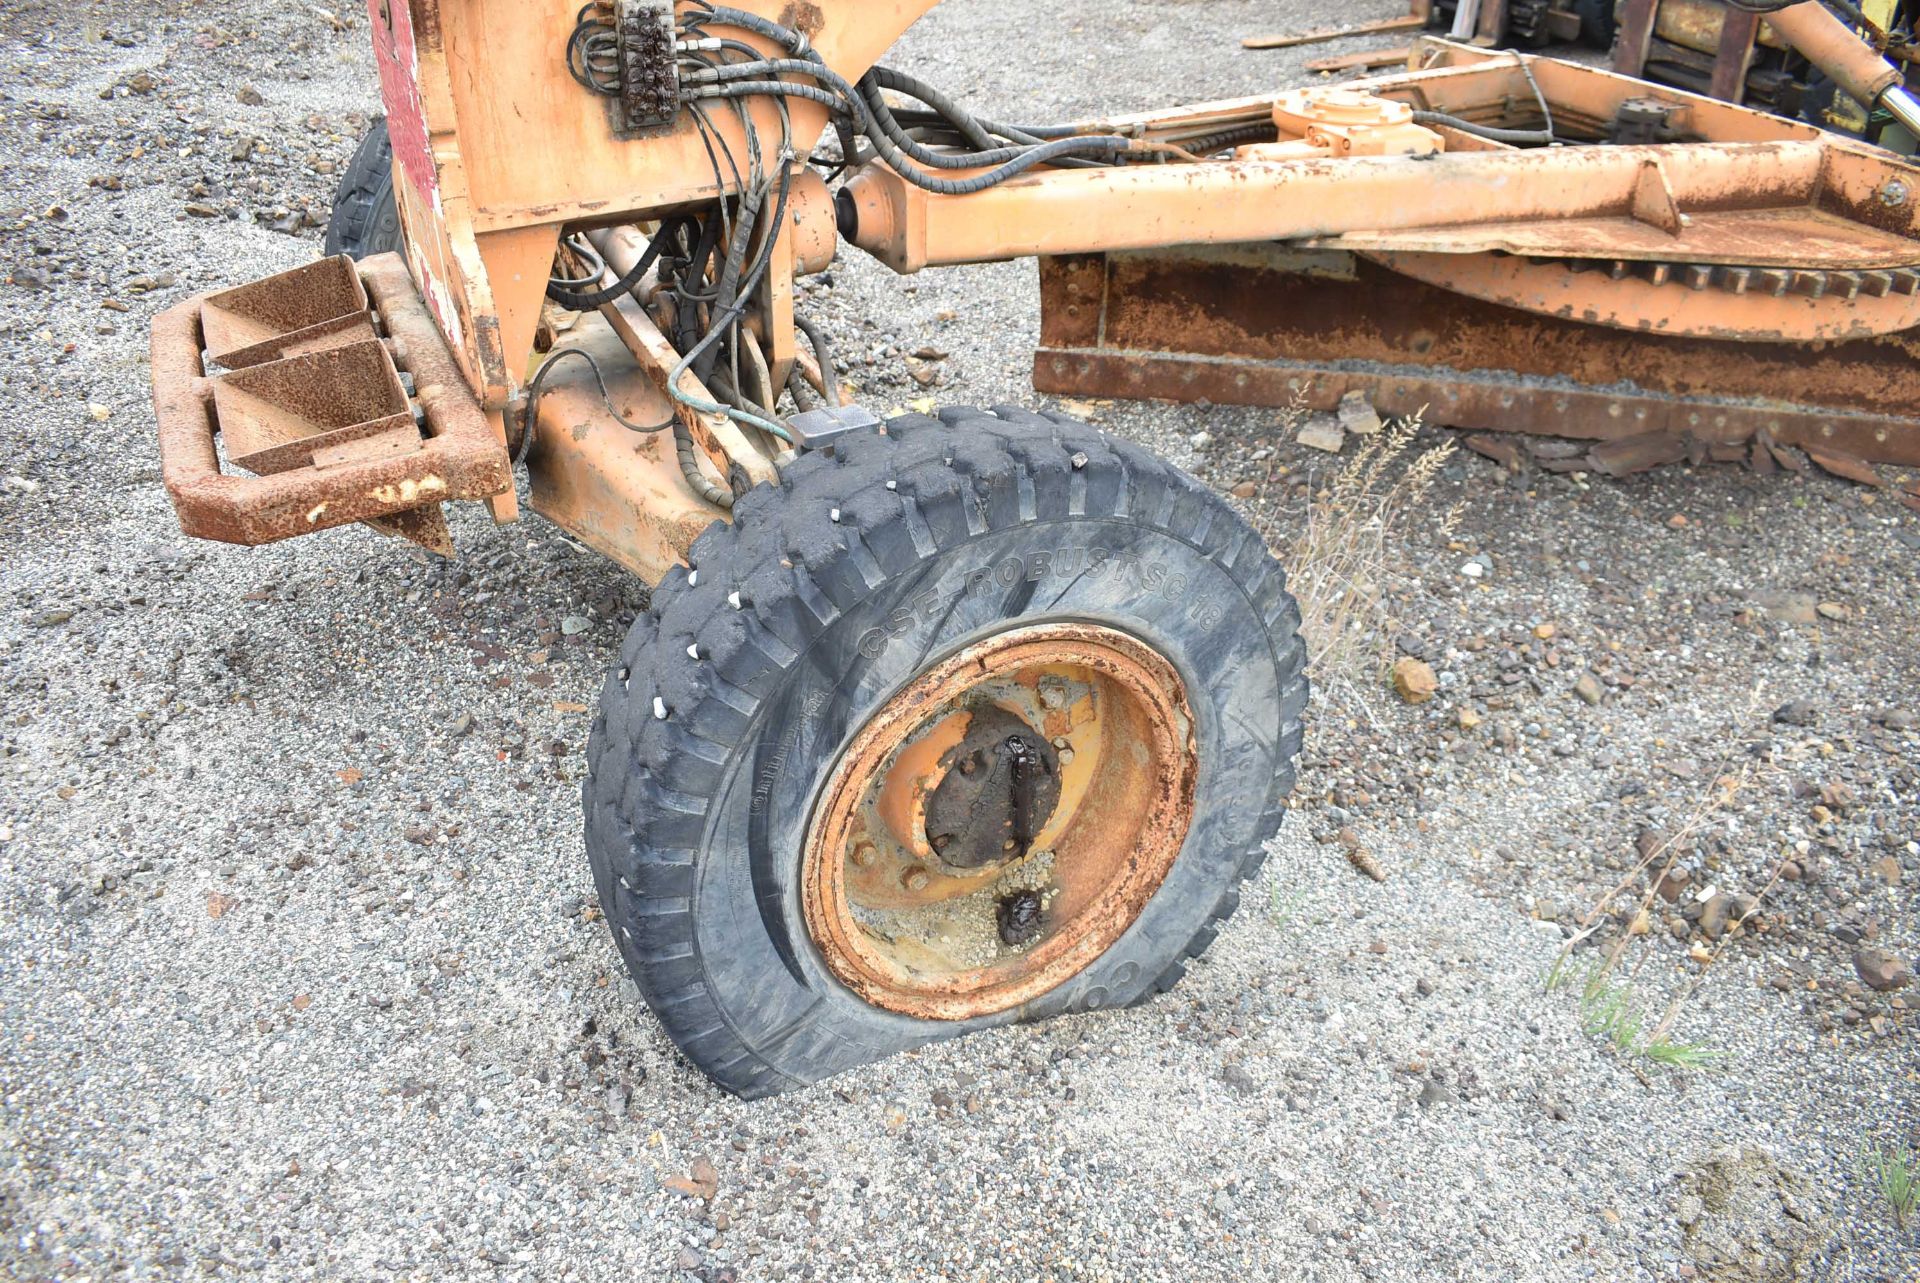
(1342,567)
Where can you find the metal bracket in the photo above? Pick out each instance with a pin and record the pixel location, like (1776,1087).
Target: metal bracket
(818,429)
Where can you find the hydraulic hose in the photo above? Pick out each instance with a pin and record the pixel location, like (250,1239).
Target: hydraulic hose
(1489,132)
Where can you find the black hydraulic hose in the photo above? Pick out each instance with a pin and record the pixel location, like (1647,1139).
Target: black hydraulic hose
(587,300)
(898,161)
(686,320)
(1489,132)
(914,87)
(730,270)
(878,111)
(539,385)
(823,356)
(959,117)
(722,321)
(882,115)
(1221,139)
(796,43)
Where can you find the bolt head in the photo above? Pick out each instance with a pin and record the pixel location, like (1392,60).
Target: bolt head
(1894,194)
(864,854)
(916,879)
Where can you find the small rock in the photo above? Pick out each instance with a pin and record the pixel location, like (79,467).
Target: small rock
(52,617)
(1200,440)
(250,96)
(142,83)
(1832,610)
(1474,569)
(1235,1076)
(1894,719)
(687,1259)
(1674,885)
(1589,690)
(1467,718)
(1713,916)
(1799,712)
(574,625)
(1881,970)
(1413,680)
(1423,987)
(1322,433)
(1357,415)
(1245,490)
(1887,869)
(1544,631)
(1787,607)
(1433,1095)
(460,725)
(701,1181)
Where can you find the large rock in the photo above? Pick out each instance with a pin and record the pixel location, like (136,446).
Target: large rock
(1881,970)
(1746,1218)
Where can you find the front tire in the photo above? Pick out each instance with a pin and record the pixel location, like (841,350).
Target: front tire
(737,694)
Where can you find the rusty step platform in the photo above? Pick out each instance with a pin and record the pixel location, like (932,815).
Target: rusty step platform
(331,384)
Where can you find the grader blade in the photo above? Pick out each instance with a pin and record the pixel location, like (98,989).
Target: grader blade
(1268,325)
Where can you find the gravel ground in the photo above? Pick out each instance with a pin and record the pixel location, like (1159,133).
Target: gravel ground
(300,973)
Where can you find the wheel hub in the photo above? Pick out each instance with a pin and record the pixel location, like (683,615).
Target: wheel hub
(999,823)
(1000,786)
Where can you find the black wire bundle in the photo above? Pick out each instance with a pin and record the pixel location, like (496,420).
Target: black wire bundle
(593,50)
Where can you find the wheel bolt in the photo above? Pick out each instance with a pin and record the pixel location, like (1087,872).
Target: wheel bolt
(863,854)
(915,879)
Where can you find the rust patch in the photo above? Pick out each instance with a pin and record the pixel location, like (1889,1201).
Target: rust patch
(803,17)
(909,934)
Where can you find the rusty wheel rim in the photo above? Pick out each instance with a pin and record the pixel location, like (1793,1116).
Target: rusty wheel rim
(1062,758)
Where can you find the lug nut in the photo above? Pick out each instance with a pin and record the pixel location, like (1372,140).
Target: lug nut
(863,854)
(915,879)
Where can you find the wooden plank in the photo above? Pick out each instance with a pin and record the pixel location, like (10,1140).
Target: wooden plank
(1383,27)
(1738,32)
(1367,60)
